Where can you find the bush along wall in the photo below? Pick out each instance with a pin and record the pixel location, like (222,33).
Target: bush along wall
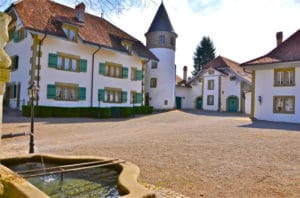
(94,112)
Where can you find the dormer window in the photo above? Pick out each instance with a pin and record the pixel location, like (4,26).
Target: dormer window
(172,41)
(162,39)
(127,45)
(70,32)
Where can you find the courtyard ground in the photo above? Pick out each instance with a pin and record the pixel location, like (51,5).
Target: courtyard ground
(198,154)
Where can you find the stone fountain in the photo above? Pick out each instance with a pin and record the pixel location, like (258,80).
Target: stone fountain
(14,184)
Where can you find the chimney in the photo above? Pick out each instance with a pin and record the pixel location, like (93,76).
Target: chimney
(279,38)
(79,12)
(185,73)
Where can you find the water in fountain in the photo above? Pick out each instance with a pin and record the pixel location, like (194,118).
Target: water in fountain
(88,183)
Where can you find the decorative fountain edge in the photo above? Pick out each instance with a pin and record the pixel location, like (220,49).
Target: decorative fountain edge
(16,186)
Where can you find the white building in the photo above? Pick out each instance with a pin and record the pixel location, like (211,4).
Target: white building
(160,76)
(76,59)
(276,82)
(221,85)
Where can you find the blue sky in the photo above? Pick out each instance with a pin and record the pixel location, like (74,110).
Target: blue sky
(241,30)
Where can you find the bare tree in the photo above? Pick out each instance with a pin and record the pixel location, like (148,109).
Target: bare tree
(99,6)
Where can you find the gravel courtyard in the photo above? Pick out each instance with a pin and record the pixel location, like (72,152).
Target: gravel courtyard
(197,154)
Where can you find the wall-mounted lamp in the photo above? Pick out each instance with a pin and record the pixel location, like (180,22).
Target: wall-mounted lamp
(259,99)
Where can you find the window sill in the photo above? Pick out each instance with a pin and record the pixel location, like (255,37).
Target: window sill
(277,112)
(292,85)
(75,100)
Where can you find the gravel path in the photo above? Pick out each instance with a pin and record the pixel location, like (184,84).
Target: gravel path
(197,154)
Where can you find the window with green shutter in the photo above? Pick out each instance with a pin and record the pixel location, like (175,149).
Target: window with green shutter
(102,68)
(52,60)
(82,65)
(139,98)
(124,96)
(19,35)
(125,72)
(51,91)
(14,63)
(101,93)
(81,93)
(16,36)
(139,75)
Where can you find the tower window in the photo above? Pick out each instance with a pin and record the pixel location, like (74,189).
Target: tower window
(162,39)
(172,41)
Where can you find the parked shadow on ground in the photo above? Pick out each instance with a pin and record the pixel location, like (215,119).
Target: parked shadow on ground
(213,113)
(260,124)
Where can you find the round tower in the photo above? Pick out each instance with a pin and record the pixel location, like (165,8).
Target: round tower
(161,76)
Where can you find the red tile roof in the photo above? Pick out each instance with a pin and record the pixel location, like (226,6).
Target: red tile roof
(287,51)
(222,64)
(47,17)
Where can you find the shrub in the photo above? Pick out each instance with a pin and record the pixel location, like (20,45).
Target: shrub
(94,112)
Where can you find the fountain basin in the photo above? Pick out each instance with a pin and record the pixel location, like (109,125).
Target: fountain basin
(16,186)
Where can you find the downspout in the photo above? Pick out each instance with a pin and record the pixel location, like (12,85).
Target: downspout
(143,79)
(39,65)
(92,77)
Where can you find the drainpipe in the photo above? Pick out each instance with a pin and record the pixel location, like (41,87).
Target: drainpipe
(39,65)
(92,77)
(143,79)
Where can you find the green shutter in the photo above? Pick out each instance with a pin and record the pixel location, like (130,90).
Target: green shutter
(125,72)
(124,96)
(102,68)
(51,91)
(101,93)
(82,65)
(139,74)
(81,93)
(52,60)
(16,36)
(139,98)
(23,33)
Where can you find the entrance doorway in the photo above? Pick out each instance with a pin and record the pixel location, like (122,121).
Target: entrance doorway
(178,102)
(233,104)
(199,102)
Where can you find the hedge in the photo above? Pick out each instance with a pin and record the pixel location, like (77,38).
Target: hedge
(94,112)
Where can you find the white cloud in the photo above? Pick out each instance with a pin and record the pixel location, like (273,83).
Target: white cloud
(241,30)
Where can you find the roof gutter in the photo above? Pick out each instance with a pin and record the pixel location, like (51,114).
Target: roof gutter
(92,77)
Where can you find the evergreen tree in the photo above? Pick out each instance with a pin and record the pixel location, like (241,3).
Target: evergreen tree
(205,52)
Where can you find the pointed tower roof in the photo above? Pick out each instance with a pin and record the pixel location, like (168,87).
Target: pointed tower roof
(161,21)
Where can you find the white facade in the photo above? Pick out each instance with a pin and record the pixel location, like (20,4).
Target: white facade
(20,76)
(265,89)
(224,87)
(214,106)
(189,95)
(163,95)
(50,75)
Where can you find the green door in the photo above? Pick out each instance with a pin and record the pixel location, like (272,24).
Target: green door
(232,104)
(199,103)
(178,102)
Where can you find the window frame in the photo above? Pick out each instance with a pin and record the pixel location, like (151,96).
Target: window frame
(108,91)
(153,82)
(211,84)
(63,58)
(109,67)
(284,104)
(283,72)
(154,64)
(133,76)
(67,29)
(162,39)
(133,97)
(208,101)
(67,86)
(14,63)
